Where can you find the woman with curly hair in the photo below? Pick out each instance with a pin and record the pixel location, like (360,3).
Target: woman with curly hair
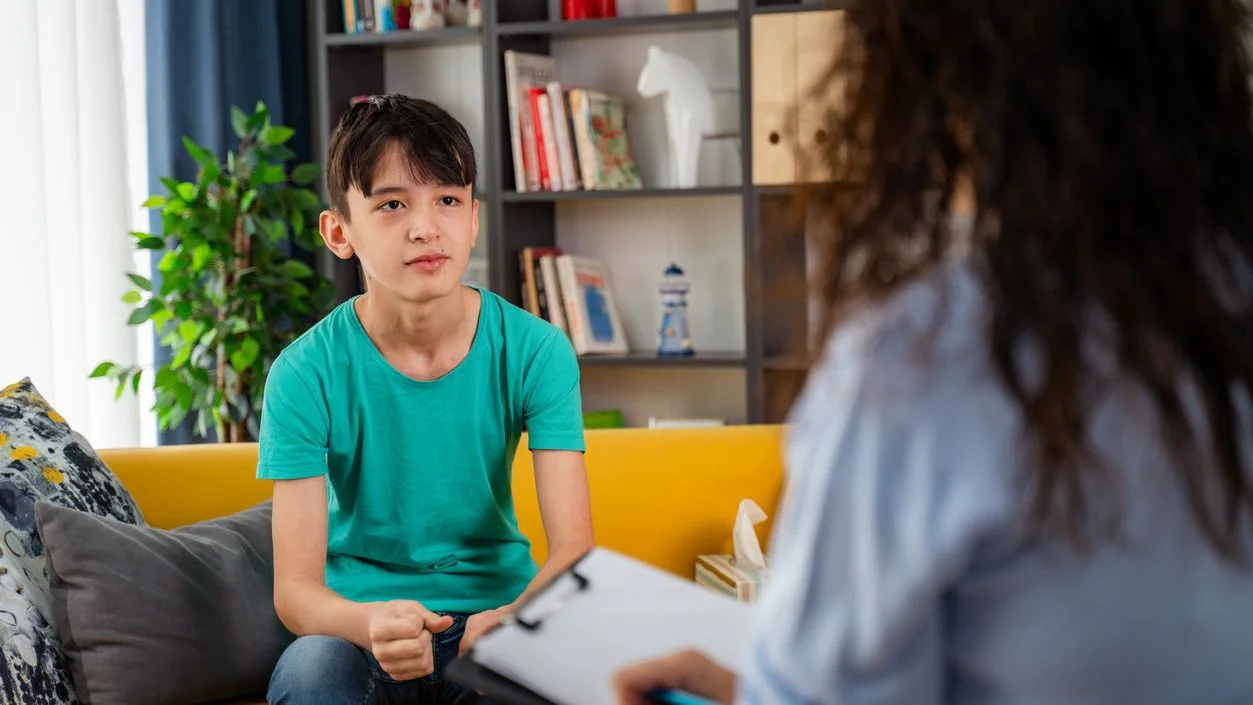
(1022,470)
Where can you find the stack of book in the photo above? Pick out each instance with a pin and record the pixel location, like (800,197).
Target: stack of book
(575,294)
(565,140)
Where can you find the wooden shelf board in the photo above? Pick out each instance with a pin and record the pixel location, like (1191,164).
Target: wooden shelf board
(625,25)
(546,196)
(652,359)
(407,38)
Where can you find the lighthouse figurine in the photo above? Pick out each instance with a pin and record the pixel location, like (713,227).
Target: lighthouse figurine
(674,336)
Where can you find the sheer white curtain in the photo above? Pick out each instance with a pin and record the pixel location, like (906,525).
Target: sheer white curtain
(67,198)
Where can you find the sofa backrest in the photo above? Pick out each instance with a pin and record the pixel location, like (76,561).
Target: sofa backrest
(663,496)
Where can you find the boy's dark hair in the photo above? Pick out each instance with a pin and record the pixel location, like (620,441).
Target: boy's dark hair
(435,144)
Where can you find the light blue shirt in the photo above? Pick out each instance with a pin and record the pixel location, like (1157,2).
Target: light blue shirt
(900,573)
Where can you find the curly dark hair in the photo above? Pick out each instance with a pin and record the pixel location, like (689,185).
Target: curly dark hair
(1108,150)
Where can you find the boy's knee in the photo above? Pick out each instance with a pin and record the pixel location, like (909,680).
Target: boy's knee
(318,669)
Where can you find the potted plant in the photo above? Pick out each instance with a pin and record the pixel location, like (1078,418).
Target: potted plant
(230,296)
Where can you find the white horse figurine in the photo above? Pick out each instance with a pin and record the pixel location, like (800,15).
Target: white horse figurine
(689,109)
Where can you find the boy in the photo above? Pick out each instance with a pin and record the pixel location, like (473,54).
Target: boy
(390,429)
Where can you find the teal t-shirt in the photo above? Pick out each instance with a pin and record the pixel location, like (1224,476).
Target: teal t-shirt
(419,473)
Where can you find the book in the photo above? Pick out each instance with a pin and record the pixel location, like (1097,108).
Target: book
(604,146)
(591,311)
(534,296)
(561,126)
(524,71)
(552,290)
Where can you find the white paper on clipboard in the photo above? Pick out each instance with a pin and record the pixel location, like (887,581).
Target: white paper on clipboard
(610,611)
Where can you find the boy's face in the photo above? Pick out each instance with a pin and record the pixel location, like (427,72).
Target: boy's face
(413,240)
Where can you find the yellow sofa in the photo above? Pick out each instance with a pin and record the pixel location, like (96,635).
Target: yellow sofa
(662,496)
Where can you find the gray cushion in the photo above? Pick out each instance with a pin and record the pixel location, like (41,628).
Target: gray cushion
(41,459)
(153,616)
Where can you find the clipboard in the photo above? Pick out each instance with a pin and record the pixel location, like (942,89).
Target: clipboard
(605,611)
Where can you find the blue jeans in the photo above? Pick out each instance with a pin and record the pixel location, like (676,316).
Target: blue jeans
(320,670)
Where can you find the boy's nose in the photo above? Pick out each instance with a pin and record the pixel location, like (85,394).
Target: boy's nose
(422,228)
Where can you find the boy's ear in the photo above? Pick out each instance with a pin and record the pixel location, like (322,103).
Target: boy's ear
(474,233)
(331,225)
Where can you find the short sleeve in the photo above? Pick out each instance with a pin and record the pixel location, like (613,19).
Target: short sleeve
(553,407)
(295,429)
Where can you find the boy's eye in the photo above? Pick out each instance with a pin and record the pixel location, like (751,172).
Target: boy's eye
(449,200)
(391,206)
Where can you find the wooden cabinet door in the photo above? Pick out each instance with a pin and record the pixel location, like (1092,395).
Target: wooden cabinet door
(818,36)
(774,96)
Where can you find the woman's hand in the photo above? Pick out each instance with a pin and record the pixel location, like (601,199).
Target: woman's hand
(688,671)
(476,626)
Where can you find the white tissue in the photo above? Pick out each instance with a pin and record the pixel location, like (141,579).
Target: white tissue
(747,547)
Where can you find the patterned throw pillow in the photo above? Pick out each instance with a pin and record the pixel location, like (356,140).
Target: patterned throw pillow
(41,457)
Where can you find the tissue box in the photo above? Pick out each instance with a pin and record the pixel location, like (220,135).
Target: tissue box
(723,574)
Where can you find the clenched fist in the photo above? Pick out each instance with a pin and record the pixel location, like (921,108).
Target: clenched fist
(400,638)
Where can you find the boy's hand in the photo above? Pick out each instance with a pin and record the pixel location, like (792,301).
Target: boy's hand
(400,638)
(476,626)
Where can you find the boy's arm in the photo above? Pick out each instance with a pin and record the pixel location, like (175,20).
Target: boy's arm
(565,507)
(303,602)
(292,453)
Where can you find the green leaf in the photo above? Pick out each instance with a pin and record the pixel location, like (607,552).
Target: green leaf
(154,202)
(160,318)
(272,174)
(151,243)
(249,197)
(181,357)
(143,283)
(246,354)
(187,192)
(201,256)
(183,396)
(135,380)
(305,173)
(306,199)
(102,369)
(250,226)
(132,297)
(171,185)
(139,316)
(258,117)
(298,222)
(168,262)
(210,174)
(177,414)
(239,120)
(202,156)
(297,269)
(190,330)
(278,134)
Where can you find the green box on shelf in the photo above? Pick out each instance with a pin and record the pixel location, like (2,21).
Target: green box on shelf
(608,418)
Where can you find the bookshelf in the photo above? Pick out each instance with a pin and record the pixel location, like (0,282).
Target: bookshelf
(745,324)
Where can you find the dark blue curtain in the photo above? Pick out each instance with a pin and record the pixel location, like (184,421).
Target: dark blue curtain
(204,56)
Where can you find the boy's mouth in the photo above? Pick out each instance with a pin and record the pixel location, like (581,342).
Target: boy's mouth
(427,263)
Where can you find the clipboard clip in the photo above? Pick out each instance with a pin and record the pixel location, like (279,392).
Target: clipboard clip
(551,598)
